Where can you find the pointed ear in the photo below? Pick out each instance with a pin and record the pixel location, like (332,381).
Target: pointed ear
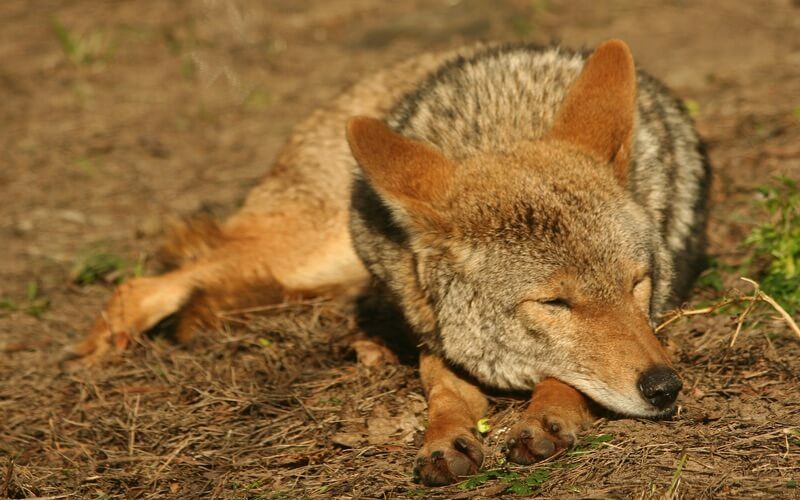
(412,174)
(598,112)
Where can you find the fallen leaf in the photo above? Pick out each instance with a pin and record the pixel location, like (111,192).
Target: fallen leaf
(373,354)
(348,439)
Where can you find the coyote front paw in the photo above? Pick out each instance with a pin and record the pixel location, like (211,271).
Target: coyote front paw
(134,307)
(444,461)
(551,423)
(536,438)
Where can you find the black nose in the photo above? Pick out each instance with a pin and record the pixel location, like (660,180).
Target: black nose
(660,385)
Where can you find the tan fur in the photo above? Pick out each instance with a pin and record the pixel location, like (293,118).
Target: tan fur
(189,239)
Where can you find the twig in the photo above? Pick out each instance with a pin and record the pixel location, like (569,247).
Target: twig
(306,410)
(680,313)
(745,313)
(55,497)
(758,296)
(9,474)
(178,449)
(769,300)
(272,307)
(786,443)
(132,435)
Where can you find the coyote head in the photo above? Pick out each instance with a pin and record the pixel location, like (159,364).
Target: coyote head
(537,262)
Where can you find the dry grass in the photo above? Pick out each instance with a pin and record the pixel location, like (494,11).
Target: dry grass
(277,408)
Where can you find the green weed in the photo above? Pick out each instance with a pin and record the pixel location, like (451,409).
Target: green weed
(35,303)
(712,281)
(86,165)
(676,477)
(253,485)
(517,484)
(98,265)
(520,484)
(590,443)
(8,305)
(692,107)
(794,436)
(257,99)
(775,244)
(710,278)
(188,69)
(84,49)
(526,22)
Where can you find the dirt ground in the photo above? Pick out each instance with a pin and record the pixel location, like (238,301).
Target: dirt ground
(117,115)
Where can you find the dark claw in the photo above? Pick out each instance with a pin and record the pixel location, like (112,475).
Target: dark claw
(460,466)
(529,446)
(544,448)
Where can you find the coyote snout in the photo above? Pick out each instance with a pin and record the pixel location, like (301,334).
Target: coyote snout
(621,362)
(622,365)
(660,386)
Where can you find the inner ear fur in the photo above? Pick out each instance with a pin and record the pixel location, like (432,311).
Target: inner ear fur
(404,171)
(598,112)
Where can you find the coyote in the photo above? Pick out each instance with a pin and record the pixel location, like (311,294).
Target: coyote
(530,210)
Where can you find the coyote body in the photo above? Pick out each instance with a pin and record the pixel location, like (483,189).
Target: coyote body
(530,210)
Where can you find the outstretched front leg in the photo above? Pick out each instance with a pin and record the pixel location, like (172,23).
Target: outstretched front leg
(135,306)
(452,447)
(254,259)
(230,276)
(555,416)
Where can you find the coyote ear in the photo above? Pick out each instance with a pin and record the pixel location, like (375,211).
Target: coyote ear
(404,171)
(598,112)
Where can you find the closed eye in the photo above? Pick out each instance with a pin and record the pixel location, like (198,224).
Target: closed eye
(555,302)
(550,305)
